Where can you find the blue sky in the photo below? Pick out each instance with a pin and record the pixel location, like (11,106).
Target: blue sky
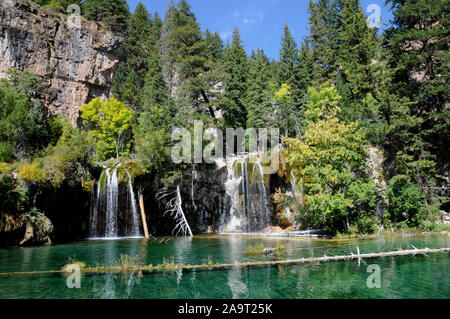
(260,22)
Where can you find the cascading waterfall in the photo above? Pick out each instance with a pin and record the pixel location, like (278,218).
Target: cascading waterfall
(264,215)
(112,201)
(249,196)
(107,219)
(94,209)
(134,210)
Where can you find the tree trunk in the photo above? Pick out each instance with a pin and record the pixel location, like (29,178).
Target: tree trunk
(143,216)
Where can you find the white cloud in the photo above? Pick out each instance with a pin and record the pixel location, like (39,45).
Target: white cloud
(226,35)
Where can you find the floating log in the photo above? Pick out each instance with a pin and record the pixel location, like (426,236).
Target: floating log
(143,216)
(211,266)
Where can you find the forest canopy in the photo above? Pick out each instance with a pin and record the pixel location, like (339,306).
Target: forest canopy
(343,89)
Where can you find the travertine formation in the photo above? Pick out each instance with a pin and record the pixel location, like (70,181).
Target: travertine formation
(75,58)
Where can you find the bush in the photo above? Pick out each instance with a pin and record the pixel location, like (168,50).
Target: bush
(406,202)
(32,172)
(24,128)
(5,168)
(327,210)
(72,150)
(367,224)
(12,198)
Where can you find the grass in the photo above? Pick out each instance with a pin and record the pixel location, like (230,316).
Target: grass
(256,250)
(261,250)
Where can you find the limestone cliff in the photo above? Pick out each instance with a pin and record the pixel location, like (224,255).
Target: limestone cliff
(76,61)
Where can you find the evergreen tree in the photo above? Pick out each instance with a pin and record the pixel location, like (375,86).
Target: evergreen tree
(235,68)
(129,78)
(356,63)
(184,54)
(324,25)
(303,78)
(418,45)
(259,97)
(288,57)
(152,134)
(296,73)
(112,13)
(58,5)
(155,91)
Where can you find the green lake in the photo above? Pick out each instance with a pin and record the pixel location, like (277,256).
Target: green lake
(420,276)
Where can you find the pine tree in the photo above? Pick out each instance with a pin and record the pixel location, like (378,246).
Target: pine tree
(152,134)
(418,45)
(58,5)
(235,68)
(184,53)
(356,63)
(112,13)
(259,96)
(324,25)
(303,79)
(288,57)
(129,78)
(155,91)
(155,30)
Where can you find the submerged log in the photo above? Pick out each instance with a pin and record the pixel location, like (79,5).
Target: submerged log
(143,216)
(211,266)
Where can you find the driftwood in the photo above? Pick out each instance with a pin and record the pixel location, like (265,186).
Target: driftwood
(210,266)
(143,216)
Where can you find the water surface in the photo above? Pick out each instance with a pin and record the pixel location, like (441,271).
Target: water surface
(420,276)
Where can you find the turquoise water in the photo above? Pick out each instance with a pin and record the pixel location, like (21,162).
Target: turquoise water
(401,277)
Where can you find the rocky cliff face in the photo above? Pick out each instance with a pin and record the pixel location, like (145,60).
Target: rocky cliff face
(76,61)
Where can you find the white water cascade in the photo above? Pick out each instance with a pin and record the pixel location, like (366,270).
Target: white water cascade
(247,189)
(108,220)
(134,209)
(112,201)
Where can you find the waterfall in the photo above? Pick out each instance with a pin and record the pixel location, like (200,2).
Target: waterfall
(249,210)
(112,201)
(107,216)
(194,176)
(232,185)
(133,205)
(264,220)
(95,200)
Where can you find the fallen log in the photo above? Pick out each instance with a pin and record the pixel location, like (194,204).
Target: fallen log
(211,266)
(143,216)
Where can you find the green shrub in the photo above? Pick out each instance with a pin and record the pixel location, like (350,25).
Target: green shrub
(24,126)
(367,224)
(32,172)
(5,168)
(406,202)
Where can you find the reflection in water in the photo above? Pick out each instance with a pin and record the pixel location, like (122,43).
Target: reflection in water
(108,291)
(183,249)
(239,290)
(402,277)
(112,281)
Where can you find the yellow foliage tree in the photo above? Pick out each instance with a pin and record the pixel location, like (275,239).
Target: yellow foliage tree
(110,124)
